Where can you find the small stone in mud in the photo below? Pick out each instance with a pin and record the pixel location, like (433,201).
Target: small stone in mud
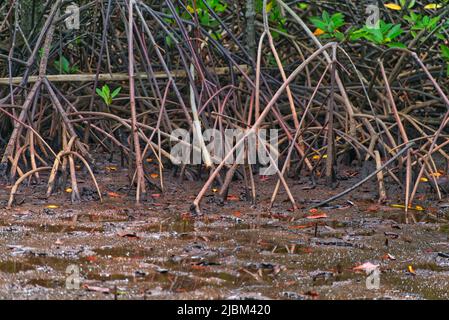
(293,295)
(49,212)
(140,273)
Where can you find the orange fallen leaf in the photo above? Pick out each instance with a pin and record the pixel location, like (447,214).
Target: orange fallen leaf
(154,175)
(111,168)
(317,216)
(299,227)
(388,257)
(233,198)
(237,214)
(69,190)
(373,208)
(91,258)
(312,294)
(199,267)
(114,194)
(319,32)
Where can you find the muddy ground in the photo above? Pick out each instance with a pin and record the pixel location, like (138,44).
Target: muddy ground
(237,251)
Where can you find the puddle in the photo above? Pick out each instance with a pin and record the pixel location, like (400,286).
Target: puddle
(64,228)
(135,253)
(179,226)
(12,266)
(87,217)
(47,283)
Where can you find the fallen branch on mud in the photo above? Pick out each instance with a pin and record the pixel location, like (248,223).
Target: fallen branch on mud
(358,184)
(87,77)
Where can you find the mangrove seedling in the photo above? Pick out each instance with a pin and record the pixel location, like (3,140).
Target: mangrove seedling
(106,94)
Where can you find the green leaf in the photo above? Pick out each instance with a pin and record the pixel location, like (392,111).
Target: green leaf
(116,92)
(65,64)
(317,22)
(326,16)
(395,32)
(106,90)
(444,51)
(396,45)
(340,36)
(99,92)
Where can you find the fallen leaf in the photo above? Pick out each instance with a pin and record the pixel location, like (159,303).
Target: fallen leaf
(233,198)
(433,6)
(367,267)
(96,289)
(69,190)
(127,234)
(237,214)
(156,195)
(114,194)
(299,227)
(154,175)
(111,168)
(317,216)
(319,32)
(214,190)
(318,157)
(388,257)
(313,294)
(401,206)
(199,267)
(411,270)
(149,160)
(392,6)
(52,206)
(373,208)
